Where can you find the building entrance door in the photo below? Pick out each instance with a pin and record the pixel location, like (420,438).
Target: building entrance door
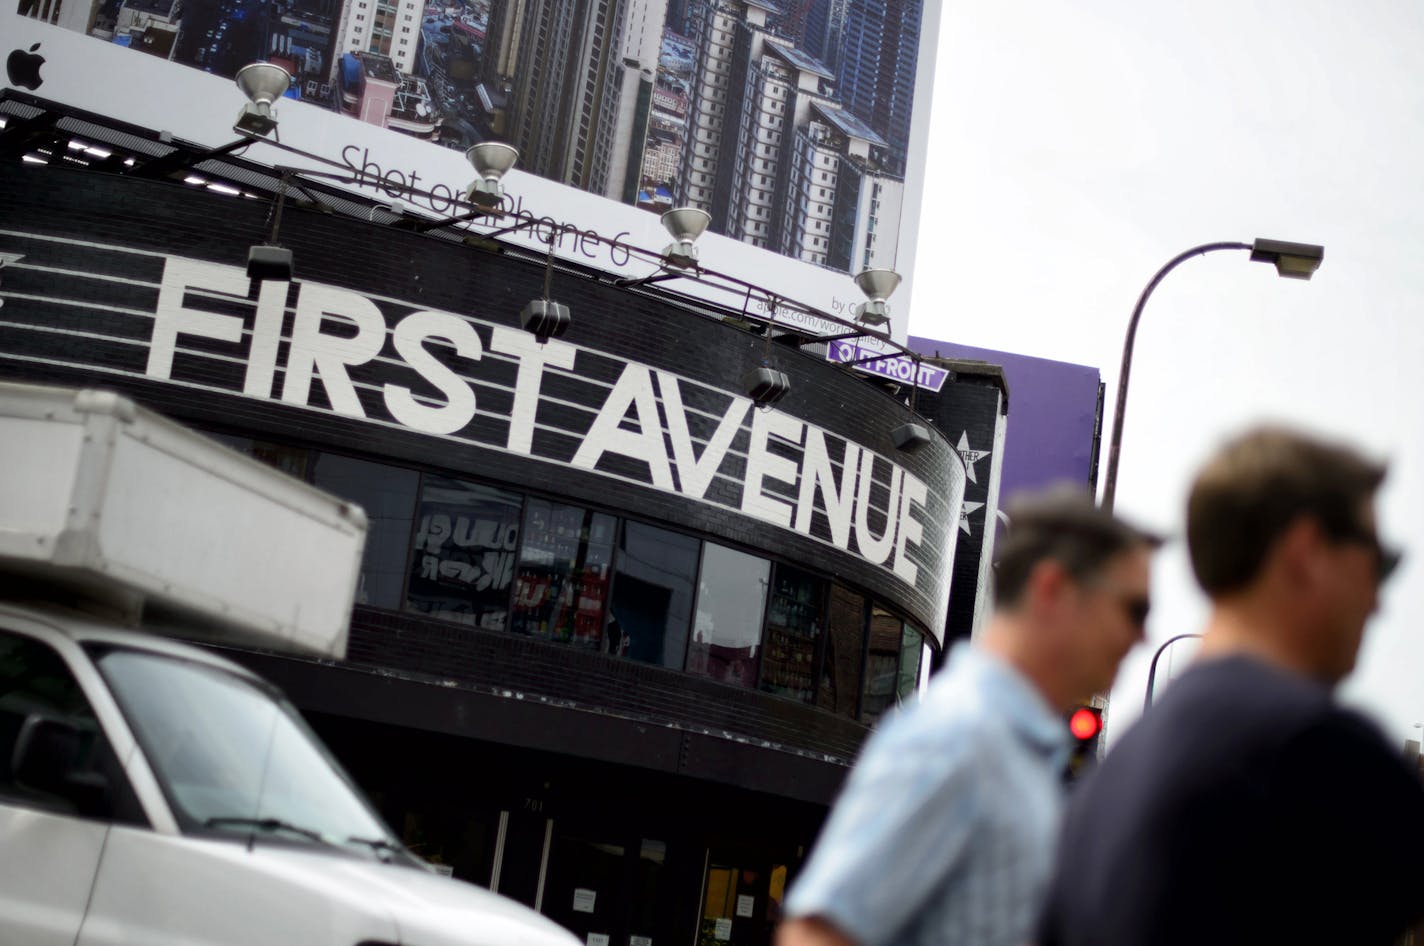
(606,890)
(742,895)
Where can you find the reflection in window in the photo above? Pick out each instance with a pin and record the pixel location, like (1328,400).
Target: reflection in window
(463,563)
(35,682)
(227,754)
(726,632)
(882,664)
(387,494)
(794,619)
(649,891)
(839,691)
(651,608)
(564,567)
(911,650)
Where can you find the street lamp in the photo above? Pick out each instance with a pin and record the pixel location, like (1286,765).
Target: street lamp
(1292,261)
(1152,670)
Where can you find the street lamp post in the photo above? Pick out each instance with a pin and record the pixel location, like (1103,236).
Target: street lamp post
(1292,260)
(1152,670)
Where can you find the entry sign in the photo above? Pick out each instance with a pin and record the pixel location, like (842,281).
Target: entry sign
(724,929)
(584,900)
(745,905)
(898,367)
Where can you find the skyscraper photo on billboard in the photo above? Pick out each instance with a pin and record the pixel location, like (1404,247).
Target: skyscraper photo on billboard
(789,122)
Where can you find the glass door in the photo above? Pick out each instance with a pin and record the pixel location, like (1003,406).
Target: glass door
(741,902)
(606,890)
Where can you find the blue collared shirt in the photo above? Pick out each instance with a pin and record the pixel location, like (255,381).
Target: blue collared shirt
(945,829)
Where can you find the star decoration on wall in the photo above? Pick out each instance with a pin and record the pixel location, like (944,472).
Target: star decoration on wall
(970,456)
(964,512)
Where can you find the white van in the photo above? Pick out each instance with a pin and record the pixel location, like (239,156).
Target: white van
(151,792)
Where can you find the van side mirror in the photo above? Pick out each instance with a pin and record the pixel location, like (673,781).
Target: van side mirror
(48,759)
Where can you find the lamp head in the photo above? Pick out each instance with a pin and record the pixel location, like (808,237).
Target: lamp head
(685,224)
(877,284)
(545,319)
(263,83)
(910,436)
(490,159)
(265,261)
(1292,260)
(765,386)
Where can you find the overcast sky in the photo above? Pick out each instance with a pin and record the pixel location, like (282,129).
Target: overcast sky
(1076,147)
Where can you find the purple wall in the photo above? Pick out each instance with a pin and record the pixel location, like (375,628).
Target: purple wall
(1053,407)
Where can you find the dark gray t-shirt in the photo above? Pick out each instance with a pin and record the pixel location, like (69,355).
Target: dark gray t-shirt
(1245,808)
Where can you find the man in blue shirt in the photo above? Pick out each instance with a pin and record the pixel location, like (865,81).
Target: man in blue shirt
(944,831)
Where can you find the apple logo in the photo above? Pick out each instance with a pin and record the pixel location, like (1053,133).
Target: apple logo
(24,68)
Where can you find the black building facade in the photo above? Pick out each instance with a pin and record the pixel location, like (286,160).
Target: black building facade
(972,411)
(620,631)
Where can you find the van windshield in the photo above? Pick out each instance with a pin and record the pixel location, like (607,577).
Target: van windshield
(231,757)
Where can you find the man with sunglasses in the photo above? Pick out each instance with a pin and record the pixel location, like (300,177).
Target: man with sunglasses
(944,831)
(1247,807)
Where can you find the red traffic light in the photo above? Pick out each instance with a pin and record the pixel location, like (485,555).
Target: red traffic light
(1085,723)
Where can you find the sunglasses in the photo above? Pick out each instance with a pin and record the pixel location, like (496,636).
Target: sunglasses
(1387,559)
(1135,606)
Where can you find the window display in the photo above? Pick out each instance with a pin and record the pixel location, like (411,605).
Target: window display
(499,560)
(387,494)
(651,608)
(839,691)
(794,619)
(726,632)
(463,562)
(882,664)
(912,647)
(564,567)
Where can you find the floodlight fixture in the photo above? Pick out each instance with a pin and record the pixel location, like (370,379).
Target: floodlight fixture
(910,436)
(270,260)
(545,319)
(766,385)
(490,159)
(685,224)
(265,261)
(877,284)
(1292,260)
(263,83)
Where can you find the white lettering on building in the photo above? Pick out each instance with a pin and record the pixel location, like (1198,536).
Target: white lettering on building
(788,461)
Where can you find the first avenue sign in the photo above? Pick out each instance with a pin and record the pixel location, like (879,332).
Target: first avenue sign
(496,386)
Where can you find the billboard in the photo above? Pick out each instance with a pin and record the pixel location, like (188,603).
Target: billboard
(1054,417)
(799,125)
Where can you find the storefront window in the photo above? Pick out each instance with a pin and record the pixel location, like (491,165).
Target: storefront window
(463,563)
(387,494)
(839,691)
(912,648)
(564,566)
(882,664)
(726,630)
(794,621)
(295,461)
(651,608)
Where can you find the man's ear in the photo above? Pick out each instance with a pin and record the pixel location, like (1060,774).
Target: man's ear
(1048,582)
(1295,555)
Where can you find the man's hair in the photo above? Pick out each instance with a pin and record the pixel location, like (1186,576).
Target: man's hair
(1063,525)
(1259,483)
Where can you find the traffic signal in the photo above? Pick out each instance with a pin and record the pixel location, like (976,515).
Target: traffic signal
(1086,725)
